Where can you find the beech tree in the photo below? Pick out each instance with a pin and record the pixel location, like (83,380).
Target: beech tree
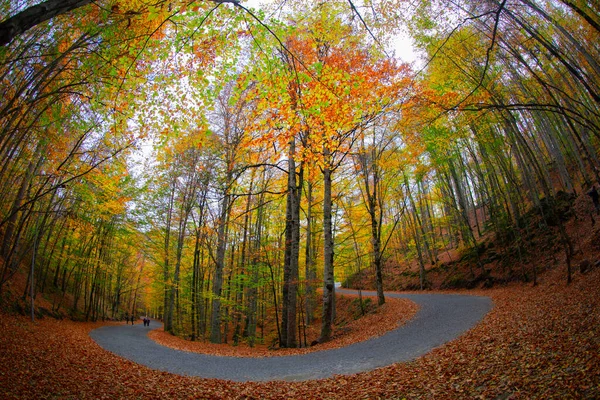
(308,116)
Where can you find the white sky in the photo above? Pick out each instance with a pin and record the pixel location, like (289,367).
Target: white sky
(403,45)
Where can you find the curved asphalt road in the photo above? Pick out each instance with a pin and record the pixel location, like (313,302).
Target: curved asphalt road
(441,318)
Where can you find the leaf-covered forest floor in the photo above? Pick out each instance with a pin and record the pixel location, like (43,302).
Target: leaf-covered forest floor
(350,328)
(537,342)
(502,256)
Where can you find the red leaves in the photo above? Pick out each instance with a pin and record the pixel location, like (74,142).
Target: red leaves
(540,342)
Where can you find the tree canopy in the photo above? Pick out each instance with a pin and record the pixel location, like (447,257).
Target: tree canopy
(213,164)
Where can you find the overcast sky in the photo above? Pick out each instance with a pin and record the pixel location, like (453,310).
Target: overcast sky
(403,44)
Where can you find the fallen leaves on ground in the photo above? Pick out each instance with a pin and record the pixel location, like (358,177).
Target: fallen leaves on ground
(393,313)
(537,342)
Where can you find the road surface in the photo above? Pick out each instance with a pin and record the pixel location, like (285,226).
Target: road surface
(440,319)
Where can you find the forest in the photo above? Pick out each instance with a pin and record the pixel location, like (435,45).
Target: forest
(225,167)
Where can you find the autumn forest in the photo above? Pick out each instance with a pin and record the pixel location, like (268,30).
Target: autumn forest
(226,167)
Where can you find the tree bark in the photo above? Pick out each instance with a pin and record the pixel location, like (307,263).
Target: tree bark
(215,319)
(34,15)
(309,271)
(167,316)
(328,273)
(289,318)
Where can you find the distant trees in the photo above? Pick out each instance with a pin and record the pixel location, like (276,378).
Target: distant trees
(515,99)
(63,177)
(300,145)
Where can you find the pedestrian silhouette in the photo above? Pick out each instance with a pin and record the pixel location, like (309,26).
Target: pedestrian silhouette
(593,193)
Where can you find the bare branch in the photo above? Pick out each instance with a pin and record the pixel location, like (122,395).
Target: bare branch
(355,11)
(487,55)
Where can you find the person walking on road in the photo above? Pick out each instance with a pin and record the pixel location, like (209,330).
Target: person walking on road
(595,196)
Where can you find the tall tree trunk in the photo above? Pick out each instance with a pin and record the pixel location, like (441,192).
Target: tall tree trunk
(328,273)
(8,239)
(215,318)
(195,279)
(187,202)
(289,320)
(310,273)
(417,225)
(252,291)
(168,316)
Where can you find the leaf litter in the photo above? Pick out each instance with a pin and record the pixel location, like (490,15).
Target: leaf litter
(539,342)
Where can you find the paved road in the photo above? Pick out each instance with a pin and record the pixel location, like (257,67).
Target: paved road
(441,318)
